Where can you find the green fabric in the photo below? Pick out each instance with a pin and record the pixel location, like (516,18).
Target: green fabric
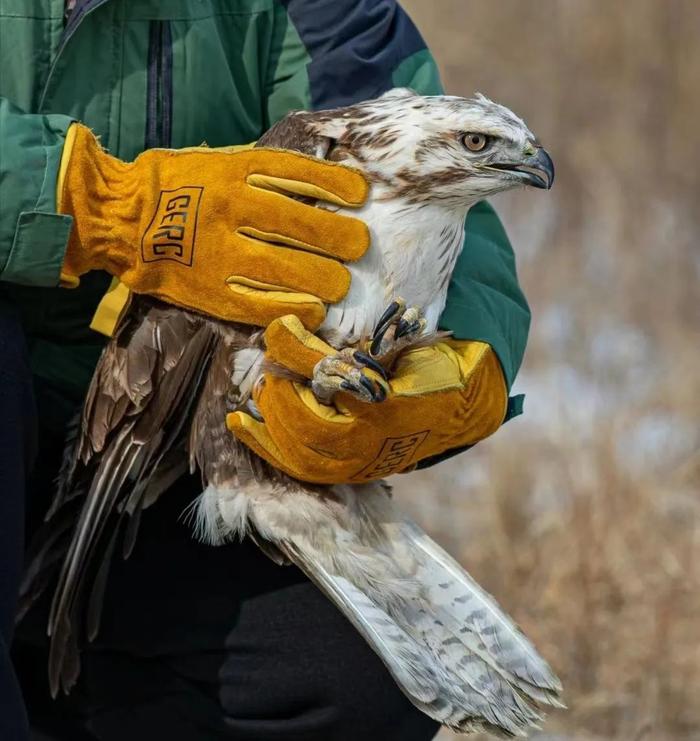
(287,83)
(420,73)
(36,253)
(237,67)
(484,301)
(30,152)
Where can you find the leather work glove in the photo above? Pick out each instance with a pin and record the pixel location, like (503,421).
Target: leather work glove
(440,397)
(213,230)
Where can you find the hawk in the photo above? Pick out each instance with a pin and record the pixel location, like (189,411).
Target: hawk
(168,378)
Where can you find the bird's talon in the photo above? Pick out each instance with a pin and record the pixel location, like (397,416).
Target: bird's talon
(406,325)
(394,308)
(376,344)
(380,394)
(347,369)
(404,328)
(368,385)
(350,387)
(369,362)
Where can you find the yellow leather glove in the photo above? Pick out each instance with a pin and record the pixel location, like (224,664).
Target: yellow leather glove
(441,397)
(213,230)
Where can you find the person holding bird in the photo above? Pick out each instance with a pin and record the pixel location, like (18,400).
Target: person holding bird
(104,108)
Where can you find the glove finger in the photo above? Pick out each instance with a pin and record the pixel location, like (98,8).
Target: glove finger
(290,344)
(261,304)
(299,174)
(281,399)
(278,219)
(260,263)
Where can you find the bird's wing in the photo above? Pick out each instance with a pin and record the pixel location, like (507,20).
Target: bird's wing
(134,423)
(235,367)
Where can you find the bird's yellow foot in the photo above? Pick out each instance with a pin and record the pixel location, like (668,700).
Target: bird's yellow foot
(352,371)
(398,328)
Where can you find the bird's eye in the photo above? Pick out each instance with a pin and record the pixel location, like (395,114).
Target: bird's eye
(475,142)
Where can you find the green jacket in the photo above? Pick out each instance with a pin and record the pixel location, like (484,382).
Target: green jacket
(145,73)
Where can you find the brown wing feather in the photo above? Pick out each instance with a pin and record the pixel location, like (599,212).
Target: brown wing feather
(137,409)
(221,459)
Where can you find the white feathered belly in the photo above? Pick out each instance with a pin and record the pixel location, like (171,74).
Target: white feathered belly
(412,255)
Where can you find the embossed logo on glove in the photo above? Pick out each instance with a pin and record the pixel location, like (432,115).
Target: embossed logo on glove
(171,233)
(395,455)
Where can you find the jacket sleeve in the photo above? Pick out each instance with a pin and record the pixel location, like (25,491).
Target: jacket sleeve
(344,51)
(33,236)
(484,300)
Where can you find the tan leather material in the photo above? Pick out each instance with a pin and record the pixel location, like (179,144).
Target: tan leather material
(441,397)
(193,227)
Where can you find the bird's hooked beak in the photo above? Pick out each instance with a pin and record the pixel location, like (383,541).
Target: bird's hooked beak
(536,169)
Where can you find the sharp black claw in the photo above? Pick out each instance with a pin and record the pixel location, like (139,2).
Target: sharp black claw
(365,360)
(349,386)
(404,327)
(388,315)
(385,321)
(380,394)
(401,328)
(368,385)
(377,343)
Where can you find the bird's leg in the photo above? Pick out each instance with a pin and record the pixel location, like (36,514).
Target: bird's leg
(352,371)
(398,328)
(363,372)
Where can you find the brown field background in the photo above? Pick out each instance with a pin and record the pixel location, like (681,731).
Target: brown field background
(583,516)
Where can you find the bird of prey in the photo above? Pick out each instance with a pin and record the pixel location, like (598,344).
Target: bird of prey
(168,378)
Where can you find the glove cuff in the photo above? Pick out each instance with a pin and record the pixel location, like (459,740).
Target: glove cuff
(94,188)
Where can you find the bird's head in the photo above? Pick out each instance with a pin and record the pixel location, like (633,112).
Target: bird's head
(434,148)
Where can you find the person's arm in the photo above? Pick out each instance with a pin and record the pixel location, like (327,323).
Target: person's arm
(33,236)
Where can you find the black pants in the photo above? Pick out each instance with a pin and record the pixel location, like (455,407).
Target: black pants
(202,643)
(17,428)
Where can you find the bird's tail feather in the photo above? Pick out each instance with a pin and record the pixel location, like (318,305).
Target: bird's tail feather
(427,657)
(445,641)
(491,633)
(408,662)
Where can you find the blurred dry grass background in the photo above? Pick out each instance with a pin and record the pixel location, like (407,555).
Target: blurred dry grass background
(583,516)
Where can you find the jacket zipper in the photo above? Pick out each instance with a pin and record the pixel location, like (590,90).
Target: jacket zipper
(80,11)
(159,86)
